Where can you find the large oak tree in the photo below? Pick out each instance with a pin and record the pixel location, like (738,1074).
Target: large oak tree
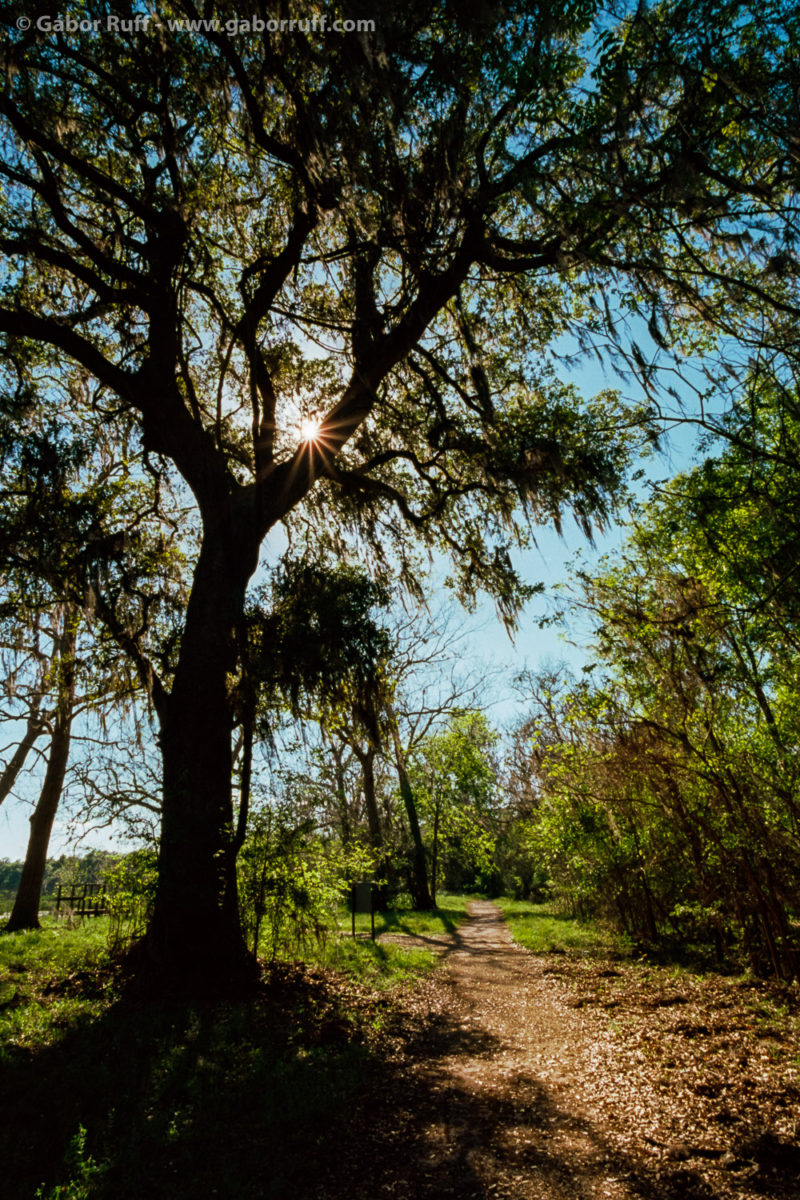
(380,233)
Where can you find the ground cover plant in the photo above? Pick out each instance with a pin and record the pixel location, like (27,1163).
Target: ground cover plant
(543,929)
(449,913)
(51,978)
(409,946)
(107,1094)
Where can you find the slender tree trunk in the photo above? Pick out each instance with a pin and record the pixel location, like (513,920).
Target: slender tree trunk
(25,913)
(651,924)
(194,942)
(435,851)
(341,795)
(246,779)
(366,759)
(33,729)
(421,895)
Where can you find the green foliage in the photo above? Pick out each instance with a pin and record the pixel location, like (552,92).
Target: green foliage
(68,871)
(82,1170)
(668,781)
(291,884)
(130,895)
(436,205)
(449,913)
(316,640)
(134,1098)
(454,775)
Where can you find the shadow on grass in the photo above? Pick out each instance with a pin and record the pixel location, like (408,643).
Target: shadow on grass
(171,1101)
(400,920)
(281,1098)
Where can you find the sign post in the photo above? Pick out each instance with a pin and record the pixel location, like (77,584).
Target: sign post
(362,900)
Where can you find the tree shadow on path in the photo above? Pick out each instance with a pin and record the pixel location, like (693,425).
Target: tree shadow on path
(417,1135)
(307,1092)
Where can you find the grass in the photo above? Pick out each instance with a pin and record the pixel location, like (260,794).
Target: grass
(374,964)
(172,1101)
(540,928)
(384,965)
(50,978)
(103,1097)
(58,945)
(450,912)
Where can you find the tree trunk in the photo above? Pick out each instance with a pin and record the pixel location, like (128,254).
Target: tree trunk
(341,795)
(420,892)
(194,943)
(366,759)
(33,729)
(435,852)
(25,913)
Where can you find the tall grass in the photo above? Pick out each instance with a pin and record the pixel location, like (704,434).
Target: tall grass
(543,930)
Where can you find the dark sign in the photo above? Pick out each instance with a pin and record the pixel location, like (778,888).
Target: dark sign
(363,898)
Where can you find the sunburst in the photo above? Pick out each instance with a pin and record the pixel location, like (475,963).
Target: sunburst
(309,429)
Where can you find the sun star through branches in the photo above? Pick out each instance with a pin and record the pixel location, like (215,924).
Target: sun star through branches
(309,429)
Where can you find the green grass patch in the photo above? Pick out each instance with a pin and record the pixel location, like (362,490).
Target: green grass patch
(540,928)
(376,964)
(50,978)
(450,912)
(60,946)
(386,964)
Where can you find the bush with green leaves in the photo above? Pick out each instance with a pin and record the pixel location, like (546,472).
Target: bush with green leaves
(130,895)
(291,883)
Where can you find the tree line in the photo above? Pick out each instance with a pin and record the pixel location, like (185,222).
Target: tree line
(667,776)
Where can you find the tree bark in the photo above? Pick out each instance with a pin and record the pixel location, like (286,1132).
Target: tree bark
(194,942)
(25,913)
(435,851)
(341,794)
(421,895)
(366,759)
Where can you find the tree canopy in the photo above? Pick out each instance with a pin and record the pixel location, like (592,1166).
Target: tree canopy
(381,235)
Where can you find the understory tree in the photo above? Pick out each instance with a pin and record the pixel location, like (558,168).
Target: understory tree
(321,276)
(69,506)
(668,784)
(454,774)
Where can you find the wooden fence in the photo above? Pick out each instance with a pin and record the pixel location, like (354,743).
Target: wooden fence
(81,900)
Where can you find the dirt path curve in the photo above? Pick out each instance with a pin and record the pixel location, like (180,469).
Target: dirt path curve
(515,1117)
(533,1136)
(507,1091)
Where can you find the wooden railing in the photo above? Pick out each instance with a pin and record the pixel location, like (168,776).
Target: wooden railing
(81,900)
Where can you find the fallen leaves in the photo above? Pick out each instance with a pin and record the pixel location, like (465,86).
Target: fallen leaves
(522,1077)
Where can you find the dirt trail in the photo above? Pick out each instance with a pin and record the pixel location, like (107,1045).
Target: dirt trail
(531,1053)
(509,1090)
